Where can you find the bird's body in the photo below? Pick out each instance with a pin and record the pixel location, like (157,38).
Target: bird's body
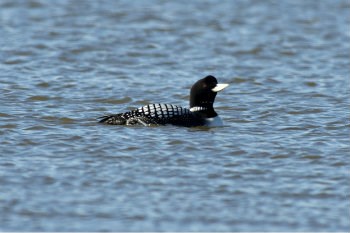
(155,114)
(201,112)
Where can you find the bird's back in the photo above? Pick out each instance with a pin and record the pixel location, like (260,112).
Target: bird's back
(155,114)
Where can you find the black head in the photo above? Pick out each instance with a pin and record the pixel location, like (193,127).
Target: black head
(203,93)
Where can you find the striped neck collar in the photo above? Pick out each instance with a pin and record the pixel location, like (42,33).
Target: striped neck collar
(204,112)
(197,109)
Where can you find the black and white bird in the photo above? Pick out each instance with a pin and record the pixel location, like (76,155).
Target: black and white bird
(200,113)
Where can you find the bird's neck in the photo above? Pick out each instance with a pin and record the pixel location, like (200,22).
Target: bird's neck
(204,111)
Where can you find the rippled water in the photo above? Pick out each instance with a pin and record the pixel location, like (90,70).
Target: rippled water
(281,163)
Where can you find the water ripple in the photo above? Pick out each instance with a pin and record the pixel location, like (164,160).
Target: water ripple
(284,148)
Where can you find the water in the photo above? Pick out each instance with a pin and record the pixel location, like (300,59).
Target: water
(279,164)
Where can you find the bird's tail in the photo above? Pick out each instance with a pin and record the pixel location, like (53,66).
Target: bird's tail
(114,119)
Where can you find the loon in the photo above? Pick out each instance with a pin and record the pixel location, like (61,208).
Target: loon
(200,113)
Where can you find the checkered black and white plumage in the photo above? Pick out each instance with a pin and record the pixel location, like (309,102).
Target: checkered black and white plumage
(201,110)
(155,114)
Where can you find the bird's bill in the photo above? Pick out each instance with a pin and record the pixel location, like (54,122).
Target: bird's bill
(220,87)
